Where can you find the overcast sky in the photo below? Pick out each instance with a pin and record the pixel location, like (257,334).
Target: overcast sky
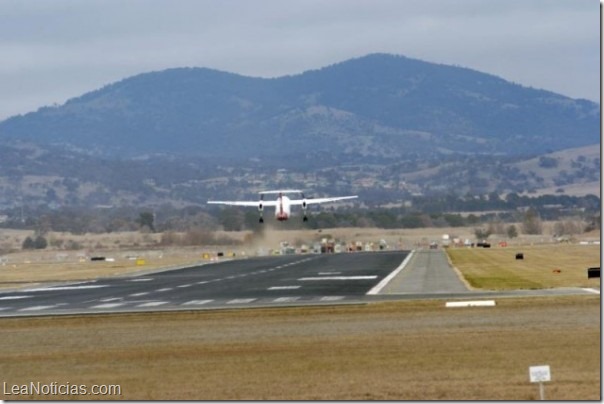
(53,50)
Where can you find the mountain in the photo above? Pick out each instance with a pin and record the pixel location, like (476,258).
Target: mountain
(378,107)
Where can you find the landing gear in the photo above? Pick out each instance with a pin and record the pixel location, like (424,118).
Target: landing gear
(261,220)
(305,219)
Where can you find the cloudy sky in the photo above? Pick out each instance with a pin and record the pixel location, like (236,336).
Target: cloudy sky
(53,50)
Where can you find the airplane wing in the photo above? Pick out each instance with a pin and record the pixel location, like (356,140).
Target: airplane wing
(320,200)
(244,203)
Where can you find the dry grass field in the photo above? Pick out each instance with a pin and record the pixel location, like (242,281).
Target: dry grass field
(386,351)
(543,266)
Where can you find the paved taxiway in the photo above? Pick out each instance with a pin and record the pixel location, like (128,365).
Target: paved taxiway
(264,281)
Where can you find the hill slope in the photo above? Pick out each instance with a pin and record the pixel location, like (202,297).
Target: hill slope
(376,106)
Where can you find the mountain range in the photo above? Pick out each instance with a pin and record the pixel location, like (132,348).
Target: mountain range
(382,126)
(374,106)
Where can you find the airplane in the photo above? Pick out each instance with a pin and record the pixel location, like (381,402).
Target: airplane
(283,204)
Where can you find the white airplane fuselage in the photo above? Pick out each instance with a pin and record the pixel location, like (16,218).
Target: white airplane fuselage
(283,209)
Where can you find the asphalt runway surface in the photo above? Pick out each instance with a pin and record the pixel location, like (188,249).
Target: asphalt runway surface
(291,280)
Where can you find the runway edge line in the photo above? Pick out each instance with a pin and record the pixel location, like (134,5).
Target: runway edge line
(378,288)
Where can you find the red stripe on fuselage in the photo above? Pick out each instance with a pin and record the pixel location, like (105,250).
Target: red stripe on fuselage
(281,215)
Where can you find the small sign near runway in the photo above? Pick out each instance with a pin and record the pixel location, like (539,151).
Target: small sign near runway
(539,374)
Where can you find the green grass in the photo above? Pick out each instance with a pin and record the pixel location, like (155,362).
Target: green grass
(546,266)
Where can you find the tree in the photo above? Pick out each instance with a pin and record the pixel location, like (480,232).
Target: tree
(28,244)
(512,231)
(40,243)
(482,234)
(146,219)
(532,222)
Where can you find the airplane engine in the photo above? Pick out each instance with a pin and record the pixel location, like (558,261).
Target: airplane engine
(304,206)
(260,209)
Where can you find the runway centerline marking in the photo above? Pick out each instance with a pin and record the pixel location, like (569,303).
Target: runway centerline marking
(141,280)
(14,297)
(139,294)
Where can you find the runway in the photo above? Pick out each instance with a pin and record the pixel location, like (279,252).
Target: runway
(290,280)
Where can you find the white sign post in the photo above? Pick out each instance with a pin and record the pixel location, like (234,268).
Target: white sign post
(540,374)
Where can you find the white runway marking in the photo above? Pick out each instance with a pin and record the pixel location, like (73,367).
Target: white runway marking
(49,289)
(152,304)
(330,273)
(14,297)
(185,286)
(197,302)
(331,298)
(240,301)
(338,278)
(286,299)
(163,290)
(107,306)
(284,287)
(111,299)
(36,308)
(141,280)
(378,288)
(596,291)
(139,294)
